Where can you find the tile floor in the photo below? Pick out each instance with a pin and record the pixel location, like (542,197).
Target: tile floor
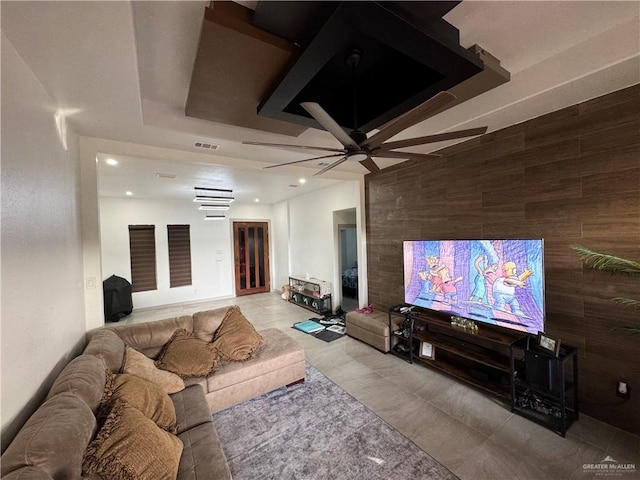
(468,432)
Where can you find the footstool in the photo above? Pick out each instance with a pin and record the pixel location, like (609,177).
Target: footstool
(371,328)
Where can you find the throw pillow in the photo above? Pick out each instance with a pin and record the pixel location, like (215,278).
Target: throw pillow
(148,397)
(139,364)
(188,356)
(129,446)
(236,339)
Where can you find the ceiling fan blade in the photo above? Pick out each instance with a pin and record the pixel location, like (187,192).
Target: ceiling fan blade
(406,155)
(370,165)
(440,137)
(329,124)
(333,165)
(302,147)
(409,119)
(305,160)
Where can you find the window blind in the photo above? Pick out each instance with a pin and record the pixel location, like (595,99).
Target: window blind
(142,253)
(179,242)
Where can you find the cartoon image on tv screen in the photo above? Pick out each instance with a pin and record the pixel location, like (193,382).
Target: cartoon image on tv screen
(494,281)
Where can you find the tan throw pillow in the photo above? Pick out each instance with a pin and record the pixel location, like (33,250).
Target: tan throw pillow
(129,446)
(236,339)
(137,363)
(188,356)
(146,396)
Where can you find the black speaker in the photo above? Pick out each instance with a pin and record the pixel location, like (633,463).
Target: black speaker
(541,370)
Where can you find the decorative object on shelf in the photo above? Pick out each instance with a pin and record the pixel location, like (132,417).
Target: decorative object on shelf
(613,264)
(427,350)
(548,344)
(464,323)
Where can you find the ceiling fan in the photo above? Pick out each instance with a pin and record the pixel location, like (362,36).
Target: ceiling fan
(360,148)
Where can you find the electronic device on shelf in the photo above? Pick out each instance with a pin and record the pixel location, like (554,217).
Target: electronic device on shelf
(498,282)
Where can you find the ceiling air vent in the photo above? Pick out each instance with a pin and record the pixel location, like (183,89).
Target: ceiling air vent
(166,175)
(206,145)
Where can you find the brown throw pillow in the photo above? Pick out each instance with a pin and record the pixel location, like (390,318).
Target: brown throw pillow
(129,446)
(236,339)
(139,364)
(146,396)
(188,356)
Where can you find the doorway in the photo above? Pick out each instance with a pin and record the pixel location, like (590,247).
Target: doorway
(251,257)
(348,265)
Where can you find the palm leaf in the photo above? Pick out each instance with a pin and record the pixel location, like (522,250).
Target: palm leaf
(628,302)
(613,264)
(629,329)
(606,262)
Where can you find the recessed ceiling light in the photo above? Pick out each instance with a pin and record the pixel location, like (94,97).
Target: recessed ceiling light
(112,161)
(257,200)
(302,180)
(128,193)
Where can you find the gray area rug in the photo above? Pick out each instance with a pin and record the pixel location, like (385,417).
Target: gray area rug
(316,430)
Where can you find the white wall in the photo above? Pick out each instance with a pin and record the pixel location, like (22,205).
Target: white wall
(280,246)
(42,282)
(211,246)
(313,238)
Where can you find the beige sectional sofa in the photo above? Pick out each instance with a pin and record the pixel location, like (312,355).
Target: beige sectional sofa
(52,442)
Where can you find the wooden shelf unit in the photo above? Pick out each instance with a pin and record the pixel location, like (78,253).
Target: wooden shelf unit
(310,293)
(480,358)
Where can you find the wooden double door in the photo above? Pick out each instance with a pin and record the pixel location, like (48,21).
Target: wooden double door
(251,257)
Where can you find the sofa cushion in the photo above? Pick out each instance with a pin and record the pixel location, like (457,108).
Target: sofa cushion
(205,458)
(206,323)
(85,377)
(148,397)
(279,351)
(188,356)
(107,345)
(63,424)
(130,446)
(28,473)
(191,408)
(151,337)
(236,339)
(139,364)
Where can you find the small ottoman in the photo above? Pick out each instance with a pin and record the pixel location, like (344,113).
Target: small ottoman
(371,328)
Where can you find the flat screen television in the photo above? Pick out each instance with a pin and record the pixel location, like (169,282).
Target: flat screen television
(500,282)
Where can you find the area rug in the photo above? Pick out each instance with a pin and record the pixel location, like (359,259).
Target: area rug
(322,331)
(317,431)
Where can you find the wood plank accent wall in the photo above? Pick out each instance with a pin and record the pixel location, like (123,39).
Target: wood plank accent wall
(572,176)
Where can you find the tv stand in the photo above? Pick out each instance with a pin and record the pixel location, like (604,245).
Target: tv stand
(480,358)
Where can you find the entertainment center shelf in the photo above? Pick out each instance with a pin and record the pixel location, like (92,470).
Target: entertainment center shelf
(480,358)
(493,360)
